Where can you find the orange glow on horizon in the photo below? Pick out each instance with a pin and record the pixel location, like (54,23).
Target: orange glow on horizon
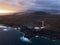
(7,11)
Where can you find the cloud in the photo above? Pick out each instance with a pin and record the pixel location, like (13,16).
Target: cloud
(40,4)
(21,4)
(34,4)
(47,4)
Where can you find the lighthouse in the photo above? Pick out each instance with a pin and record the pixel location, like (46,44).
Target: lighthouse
(43,25)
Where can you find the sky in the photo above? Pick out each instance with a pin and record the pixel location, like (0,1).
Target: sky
(23,5)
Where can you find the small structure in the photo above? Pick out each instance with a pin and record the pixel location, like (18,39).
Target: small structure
(43,25)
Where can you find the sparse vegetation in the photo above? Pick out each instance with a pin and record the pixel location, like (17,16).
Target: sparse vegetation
(33,19)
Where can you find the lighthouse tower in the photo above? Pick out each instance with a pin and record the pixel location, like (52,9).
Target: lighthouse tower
(43,26)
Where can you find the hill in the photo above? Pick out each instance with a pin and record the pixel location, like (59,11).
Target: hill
(32,19)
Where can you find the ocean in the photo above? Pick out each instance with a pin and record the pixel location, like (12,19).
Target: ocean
(43,41)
